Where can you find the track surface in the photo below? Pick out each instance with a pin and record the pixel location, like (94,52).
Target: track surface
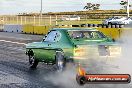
(14,67)
(15,71)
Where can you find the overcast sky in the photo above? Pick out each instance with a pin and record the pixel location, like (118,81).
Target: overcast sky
(20,6)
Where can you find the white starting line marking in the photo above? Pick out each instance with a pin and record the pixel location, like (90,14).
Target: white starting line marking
(13,42)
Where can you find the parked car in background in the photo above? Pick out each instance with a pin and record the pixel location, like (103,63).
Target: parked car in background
(115,20)
(126,21)
(69,18)
(62,45)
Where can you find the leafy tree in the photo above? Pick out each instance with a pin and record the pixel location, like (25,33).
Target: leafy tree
(96,7)
(124,4)
(91,6)
(88,6)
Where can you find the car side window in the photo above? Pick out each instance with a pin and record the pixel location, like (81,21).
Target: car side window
(86,34)
(95,35)
(53,36)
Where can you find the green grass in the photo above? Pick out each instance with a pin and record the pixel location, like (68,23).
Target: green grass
(80,22)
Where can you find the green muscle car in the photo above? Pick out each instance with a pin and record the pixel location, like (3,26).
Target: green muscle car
(62,45)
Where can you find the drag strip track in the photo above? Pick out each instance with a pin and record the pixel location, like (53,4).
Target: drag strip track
(14,66)
(15,71)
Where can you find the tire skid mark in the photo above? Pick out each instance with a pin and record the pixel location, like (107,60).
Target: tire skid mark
(11,54)
(7,78)
(12,47)
(20,67)
(13,61)
(13,42)
(27,74)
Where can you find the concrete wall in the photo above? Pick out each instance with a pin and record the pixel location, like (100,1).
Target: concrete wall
(31,29)
(1,27)
(13,28)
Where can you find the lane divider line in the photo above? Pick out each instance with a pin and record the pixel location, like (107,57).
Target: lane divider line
(13,42)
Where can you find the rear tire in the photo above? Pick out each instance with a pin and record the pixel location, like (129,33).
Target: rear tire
(60,61)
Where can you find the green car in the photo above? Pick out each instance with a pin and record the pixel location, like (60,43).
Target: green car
(62,45)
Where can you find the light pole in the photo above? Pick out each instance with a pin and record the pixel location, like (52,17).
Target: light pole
(41,8)
(128,8)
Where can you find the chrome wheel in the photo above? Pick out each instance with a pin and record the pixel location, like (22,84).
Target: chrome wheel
(33,62)
(60,61)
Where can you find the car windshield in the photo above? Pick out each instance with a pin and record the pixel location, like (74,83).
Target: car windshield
(129,19)
(117,18)
(110,18)
(85,34)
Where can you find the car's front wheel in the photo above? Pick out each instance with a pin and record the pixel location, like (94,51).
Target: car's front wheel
(60,61)
(33,62)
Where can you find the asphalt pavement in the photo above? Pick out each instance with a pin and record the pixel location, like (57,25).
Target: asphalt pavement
(14,66)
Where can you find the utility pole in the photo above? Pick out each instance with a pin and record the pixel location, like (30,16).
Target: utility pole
(128,8)
(41,8)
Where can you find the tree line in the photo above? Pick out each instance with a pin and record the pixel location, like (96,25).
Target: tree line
(92,6)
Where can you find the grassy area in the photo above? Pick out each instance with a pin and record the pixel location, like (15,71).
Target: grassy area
(90,21)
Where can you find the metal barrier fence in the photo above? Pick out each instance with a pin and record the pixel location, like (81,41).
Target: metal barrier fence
(94,25)
(27,29)
(1,27)
(13,28)
(113,31)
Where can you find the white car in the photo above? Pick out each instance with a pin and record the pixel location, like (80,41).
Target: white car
(126,21)
(69,18)
(115,20)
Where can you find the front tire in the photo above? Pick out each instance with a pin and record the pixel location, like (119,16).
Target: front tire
(33,62)
(60,61)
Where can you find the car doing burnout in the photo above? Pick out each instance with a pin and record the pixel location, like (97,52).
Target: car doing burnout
(62,45)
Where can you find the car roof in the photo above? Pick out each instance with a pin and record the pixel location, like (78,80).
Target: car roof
(76,29)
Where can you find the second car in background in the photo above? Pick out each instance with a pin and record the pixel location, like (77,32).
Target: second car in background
(69,18)
(117,20)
